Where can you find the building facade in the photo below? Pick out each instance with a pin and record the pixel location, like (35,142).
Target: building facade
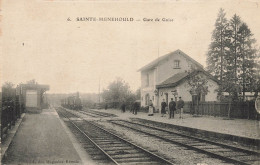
(164,78)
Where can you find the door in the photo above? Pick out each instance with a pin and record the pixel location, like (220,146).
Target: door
(147,99)
(166,98)
(31,98)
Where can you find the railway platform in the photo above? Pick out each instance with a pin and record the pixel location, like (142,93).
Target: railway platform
(44,139)
(236,130)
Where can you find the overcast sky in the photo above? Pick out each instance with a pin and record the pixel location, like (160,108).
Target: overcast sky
(39,43)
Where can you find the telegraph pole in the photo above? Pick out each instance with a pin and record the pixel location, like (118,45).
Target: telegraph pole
(99,91)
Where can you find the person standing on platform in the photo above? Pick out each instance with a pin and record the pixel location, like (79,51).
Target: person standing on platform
(150,113)
(136,107)
(123,107)
(180,106)
(172,108)
(163,106)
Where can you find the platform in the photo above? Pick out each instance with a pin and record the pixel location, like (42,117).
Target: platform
(234,129)
(43,139)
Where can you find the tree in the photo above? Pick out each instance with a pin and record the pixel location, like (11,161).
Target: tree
(138,94)
(247,57)
(256,83)
(232,56)
(218,47)
(31,82)
(234,46)
(8,85)
(117,92)
(8,93)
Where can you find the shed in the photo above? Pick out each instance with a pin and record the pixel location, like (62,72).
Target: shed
(32,95)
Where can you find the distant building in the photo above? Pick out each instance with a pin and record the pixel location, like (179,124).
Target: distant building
(32,95)
(165,78)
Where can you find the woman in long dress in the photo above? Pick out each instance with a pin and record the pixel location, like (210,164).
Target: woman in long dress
(150,113)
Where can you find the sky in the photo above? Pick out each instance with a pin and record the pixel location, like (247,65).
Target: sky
(38,41)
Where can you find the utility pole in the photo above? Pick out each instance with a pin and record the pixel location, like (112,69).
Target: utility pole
(157,78)
(99,91)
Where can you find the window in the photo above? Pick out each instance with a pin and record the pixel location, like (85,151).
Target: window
(147,80)
(176,64)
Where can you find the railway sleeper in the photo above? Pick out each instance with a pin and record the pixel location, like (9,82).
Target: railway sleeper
(117,148)
(247,158)
(128,151)
(256,162)
(198,144)
(104,140)
(90,147)
(175,138)
(186,141)
(113,145)
(133,155)
(137,160)
(223,150)
(109,148)
(107,142)
(208,146)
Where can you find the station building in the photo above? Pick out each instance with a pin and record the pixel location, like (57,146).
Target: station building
(166,78)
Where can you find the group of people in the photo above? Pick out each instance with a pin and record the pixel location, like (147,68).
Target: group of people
(173,106)
(134,108)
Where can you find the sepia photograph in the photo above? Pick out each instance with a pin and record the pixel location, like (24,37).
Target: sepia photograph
(130,82)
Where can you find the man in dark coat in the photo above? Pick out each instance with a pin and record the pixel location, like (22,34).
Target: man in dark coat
(163,106)
(136,107)
(180,105)
(123,107)
(172,108)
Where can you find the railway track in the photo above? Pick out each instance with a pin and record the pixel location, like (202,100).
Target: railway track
(221,151)
(108,147)
(97,114)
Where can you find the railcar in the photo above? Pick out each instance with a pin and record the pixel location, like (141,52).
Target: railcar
(72,102)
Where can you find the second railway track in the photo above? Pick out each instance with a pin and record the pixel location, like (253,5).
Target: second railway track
(218,150)
(93,113)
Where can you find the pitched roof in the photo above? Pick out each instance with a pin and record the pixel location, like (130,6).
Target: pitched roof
(178,78)
(156,61)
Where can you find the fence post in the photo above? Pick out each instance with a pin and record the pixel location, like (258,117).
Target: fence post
(248,114)
(9,117)
(220,114)
(214,109)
